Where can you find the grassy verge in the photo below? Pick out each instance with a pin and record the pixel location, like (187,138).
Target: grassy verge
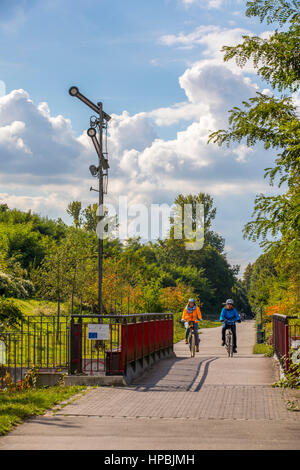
(179,329)
(265,349)
(16,406)
(38,306)
(210,324)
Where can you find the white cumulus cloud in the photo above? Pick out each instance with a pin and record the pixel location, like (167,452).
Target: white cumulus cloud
(44,165)
(203,3)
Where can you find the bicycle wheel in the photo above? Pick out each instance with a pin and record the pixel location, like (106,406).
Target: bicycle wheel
(229,343)
(192,345)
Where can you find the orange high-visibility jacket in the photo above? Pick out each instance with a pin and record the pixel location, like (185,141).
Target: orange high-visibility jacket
(194,316)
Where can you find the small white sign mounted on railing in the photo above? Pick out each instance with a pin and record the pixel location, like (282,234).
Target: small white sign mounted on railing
(98,331)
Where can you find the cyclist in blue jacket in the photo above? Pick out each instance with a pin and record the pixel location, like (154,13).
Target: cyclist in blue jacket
(229,316)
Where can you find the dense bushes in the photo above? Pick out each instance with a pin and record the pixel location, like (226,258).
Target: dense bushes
(53,261)
(10,314)
(15,287)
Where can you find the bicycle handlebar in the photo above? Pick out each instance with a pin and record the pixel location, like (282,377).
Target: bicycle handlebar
(231,322)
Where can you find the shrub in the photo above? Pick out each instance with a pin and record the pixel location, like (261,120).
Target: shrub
(265,349)
(292,378)
(11,286)
(10,314)
(6,285)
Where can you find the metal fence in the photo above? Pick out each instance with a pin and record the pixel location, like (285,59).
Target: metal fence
(286,337)
(131,338)
(69,345)
(89,355)
(38,341)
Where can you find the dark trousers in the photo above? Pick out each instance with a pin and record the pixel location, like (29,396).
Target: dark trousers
(233,327)
(196,331)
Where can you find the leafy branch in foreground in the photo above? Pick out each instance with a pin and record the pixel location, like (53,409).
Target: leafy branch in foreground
(277,216)
(274,10)
(274,122)
(276,57)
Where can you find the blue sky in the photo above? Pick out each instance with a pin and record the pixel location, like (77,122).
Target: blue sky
(111,48)
(158,69)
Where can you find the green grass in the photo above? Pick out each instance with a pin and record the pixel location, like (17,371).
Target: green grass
(16,406)
(210,324)
(38,306)
(265,349)
(41,342)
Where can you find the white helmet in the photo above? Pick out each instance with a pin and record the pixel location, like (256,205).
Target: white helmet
(229,301)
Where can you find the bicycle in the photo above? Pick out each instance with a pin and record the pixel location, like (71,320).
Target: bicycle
(191,338)
(229,339)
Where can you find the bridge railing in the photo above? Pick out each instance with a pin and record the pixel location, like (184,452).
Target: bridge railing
(128,340)
(40,341)
(144,336)
(286,335)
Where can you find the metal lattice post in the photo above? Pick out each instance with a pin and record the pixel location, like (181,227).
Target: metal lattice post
(101,198)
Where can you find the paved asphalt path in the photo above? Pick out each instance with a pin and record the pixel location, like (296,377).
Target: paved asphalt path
(207,402)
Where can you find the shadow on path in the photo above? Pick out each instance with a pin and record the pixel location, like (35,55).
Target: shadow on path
(176,374)
(205,373)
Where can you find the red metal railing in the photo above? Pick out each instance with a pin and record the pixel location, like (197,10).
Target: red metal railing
(131,338)
(284,337)
(141,339)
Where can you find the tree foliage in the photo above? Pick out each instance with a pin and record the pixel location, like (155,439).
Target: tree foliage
(10,314)
(274,121)
(274,10)
(275,58)
(137,277)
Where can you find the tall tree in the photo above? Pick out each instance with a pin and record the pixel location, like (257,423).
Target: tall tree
(91,218)
(273,120)
(50,277)
(74,210)
(247,277)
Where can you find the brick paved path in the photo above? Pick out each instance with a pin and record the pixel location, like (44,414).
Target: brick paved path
(207,402)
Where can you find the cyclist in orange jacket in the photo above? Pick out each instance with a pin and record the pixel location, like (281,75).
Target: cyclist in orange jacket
(192,313)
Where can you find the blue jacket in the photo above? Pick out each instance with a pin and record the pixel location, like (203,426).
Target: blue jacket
(229,315)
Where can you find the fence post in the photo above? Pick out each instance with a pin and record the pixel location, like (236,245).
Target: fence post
(143,340)
(135,340)
(286,346)
(154,336)
(75,346)
(149,337)
(126,344)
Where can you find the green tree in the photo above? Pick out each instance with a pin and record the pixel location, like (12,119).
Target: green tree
(247,277)
(74,210)
(152,296)
(240,296)
(3,208)
(80,257)
(269,119)
(206,270)
(274,121)
(10,314)
(50,277)
(276,58)
(22,243)
(25,237)
(90,217)
(263,278)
